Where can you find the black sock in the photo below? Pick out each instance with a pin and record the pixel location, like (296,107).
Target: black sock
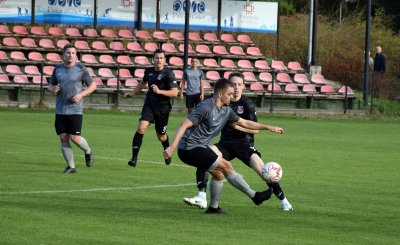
(165,144)
(277,190)
(201,179)
(136,143)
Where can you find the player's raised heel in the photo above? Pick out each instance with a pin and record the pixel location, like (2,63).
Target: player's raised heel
(132,162)
(69,170)
(211,210)
(89,159)
(260,197)
(286,206)
(196,201)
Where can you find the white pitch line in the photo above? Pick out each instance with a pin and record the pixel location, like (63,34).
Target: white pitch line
(94,189)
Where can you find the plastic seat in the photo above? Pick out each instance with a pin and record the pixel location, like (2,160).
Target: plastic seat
(36,80)
(301,79)
(211,63)
(219,49)
(73,32)
(206,85)
(141,60)
(212,75)
(48,70)
(178,36)
(249,77)
(292,88)
(210,37)
(55,31)
(276,87)
(257,87)
(106,59)
(35,56)
(278,65)
(295,66)
(89,58)
(90,32)
(17,55)
(139,73)
(342,90)
(227,38)
(91,72)
(99,83)
(46,43)
(190,49)
(227,63)
(1,71)
(105,72)
(10,42)
(117,46)
(150,47)
(31,70)
(265,77)
(254,51)
(131,83)
(28,42)
(245,64)
(244,39)
(113,82)
(327,89)
(20,30)
(261,65)
(318,79)
(227,74)
(81,44)
(236,50)
(194,36)
(160,35)
(141,34)
(203,49)
(21,79)
(4,29)
(309,89)
(124,73)
(3,55)
(38,30)
(283,78)
(109,33)
(123,33)
(168,48)
(99,45)
(61,43)
(124,59)
(175,61)
(4,78)
(53,57)
(178,74)
(135,47)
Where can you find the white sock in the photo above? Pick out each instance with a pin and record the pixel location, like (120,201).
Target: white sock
(202,194)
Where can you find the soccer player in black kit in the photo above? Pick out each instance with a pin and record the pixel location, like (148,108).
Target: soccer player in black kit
(157,105)
(236,142)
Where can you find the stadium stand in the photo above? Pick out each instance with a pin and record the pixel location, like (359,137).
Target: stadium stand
(99,83)
(38,30)
(228,63)
(178,74)
(249,77)
(46,43)
(90,32)
(31,70)
(245,64)
(124,60)
(168,48)
(342,90)
(131,83)
(265,77)
(61,43)
(210,63)
(113,82)
(327,89)
(283,78)
(48,70)
(276,87)
(106,59)
(309,89)
(36,80)
(226,74)
(292,88)
(10,42)
(261,65)
(257,88)
(278,65)
(1,70)
(73,32)
(242,38)
(203,49)
(212,75)
(117,46)
(227,38)
(124,73)
(236,50)
(91,72)
(210,37)
(295,66)
(35,56)
(4,29)
(141,60)
(301,79)
(206,85)
(108,33)
(182,48)
(176,61)
(56,31)
(133,46)
(13,69)
(160,35)
(81,44)
(123,33)
(219,49)
(150,47)
(254,51)
(3,55)
(20,30)
(105,72)
(318,79)
(21,79)
(139,73)
(4,78)
(177,36)
(53,57)
(99,45)
(195,37)
(142,34)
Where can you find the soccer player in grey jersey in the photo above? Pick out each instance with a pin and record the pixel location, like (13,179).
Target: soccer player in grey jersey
(193,81)
(195,133)
(67,81)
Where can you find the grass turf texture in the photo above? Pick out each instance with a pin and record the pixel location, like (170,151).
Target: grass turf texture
(340,175)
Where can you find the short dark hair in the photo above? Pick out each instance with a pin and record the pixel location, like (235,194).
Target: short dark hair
(67,46)
(236,74)
(222,84)
(158,51)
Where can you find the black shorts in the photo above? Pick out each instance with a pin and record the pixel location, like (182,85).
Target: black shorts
(241,151)
(198,157)
(158,116)
(70,124)
(192,100)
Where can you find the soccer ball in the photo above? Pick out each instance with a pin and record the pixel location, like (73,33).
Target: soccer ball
(272,172)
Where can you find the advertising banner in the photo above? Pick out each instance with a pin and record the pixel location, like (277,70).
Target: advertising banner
(15,11)
(78,12)
(117,13)
(203,14)
(149,13)
(249,16)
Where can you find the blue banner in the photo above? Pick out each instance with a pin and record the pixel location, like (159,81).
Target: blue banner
(15,11)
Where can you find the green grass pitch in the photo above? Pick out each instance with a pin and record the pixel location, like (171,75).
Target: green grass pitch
(340,174)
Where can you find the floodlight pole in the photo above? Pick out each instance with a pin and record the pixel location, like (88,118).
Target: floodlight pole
(310,32)
(366,55)
(186,42)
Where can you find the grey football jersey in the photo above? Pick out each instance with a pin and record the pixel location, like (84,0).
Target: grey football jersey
(208,121)
(71,80)
(193,78)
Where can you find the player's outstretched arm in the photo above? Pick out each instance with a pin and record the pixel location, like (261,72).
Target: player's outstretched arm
(258,126)
(246,130)
(178,135)
(141,85)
